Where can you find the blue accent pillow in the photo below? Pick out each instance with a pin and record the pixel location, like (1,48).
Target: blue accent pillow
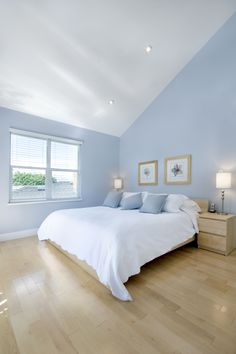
(113,199)
(132,202)
(153,203)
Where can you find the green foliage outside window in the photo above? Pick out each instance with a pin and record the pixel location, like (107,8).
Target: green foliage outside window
(30,179)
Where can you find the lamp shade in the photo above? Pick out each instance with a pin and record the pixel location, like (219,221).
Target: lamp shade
(223,180)
(118,183)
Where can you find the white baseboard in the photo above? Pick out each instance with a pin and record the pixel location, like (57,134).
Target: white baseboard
(18,234)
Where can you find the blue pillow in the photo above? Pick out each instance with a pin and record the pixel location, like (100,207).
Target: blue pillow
(153,203)
(132,202)
(113,199)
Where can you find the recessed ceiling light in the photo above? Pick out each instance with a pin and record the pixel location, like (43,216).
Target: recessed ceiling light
(148,49)
(111,102)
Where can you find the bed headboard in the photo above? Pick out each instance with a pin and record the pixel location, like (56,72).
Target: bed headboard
(203,204)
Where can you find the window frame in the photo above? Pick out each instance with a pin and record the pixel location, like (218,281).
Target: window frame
(48,169)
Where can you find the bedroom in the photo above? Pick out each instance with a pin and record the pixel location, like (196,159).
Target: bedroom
(132,105)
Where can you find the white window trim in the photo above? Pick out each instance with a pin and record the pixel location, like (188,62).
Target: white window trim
(48,170)
(45,136)
(45,201)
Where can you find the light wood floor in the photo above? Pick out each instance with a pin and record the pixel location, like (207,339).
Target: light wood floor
(184,302)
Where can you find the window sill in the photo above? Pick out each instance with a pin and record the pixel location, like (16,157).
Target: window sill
(45,201)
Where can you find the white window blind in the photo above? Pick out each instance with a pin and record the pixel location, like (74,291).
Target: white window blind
(43,167)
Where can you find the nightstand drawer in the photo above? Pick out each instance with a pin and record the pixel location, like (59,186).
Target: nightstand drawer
(212,242)
(213,226)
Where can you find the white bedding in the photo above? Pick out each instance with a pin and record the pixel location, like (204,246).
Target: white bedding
(116,243)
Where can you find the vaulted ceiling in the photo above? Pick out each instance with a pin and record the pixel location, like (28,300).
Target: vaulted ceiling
(67,59)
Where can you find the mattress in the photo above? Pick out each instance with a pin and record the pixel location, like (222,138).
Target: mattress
(116,243)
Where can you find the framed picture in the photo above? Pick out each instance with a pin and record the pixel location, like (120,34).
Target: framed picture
(147,173)
(178,170)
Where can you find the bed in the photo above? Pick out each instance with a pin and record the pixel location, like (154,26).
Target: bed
(116,243)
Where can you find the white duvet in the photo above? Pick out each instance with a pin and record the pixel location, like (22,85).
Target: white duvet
(115,242)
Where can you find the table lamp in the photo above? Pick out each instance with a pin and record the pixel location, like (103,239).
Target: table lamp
(223,181)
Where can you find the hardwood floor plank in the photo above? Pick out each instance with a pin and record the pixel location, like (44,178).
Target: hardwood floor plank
(7,340)
(184,303)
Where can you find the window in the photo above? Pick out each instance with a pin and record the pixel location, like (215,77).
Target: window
(43,167)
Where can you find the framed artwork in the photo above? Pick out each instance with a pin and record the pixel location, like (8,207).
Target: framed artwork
(147,173)
(178,170)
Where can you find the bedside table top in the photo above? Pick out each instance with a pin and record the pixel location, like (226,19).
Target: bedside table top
(215,216)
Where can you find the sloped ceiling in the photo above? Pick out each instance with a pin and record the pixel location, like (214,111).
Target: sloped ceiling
(65,59)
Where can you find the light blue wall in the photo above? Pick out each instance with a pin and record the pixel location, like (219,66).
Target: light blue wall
(195,114)
(99,160)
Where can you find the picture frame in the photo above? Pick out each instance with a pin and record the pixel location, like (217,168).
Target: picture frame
(147,173)
(178,169)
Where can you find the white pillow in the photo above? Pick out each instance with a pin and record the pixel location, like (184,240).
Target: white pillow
(174,202)
(190,205)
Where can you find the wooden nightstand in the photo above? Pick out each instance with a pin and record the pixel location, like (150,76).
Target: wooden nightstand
(217,232)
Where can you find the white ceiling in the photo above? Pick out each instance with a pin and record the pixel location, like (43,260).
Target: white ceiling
(64,60)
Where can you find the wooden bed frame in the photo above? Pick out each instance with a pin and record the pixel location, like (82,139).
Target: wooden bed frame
(203,204)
